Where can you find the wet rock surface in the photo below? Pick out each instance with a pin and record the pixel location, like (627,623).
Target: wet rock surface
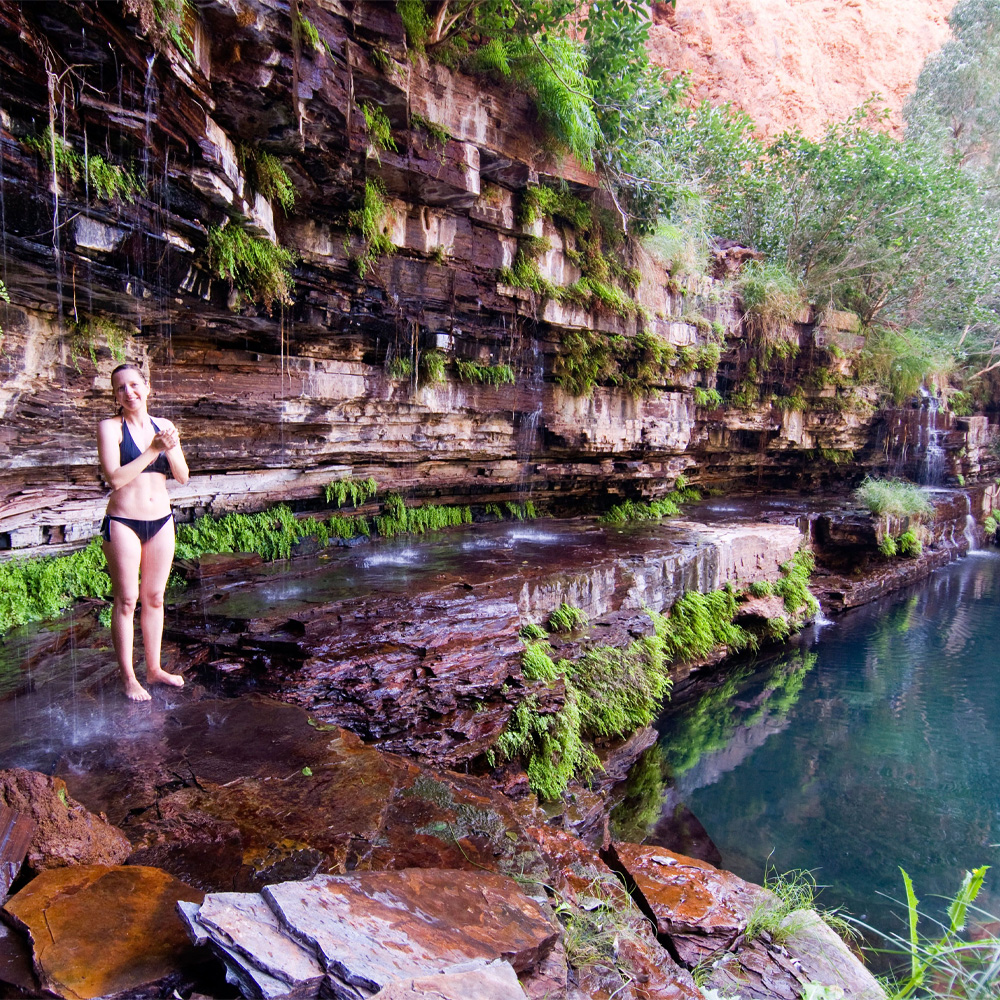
(99,930)
(496,981)
(65,833)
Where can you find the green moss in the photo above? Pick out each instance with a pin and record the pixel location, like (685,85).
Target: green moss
(90,331)
(259,269)
(543,202)
(40,588)
(310,35)
(567,618)
(668,506)
(537,664)
(416,23)
(353,492)
(496,375)
(700,623)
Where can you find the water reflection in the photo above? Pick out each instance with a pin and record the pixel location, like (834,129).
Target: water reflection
(877,748)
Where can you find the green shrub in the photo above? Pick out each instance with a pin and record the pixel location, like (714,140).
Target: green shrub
(256,267)
(267,176)
(888,547)
(707,398)
(991,524)
(893,497)
(400,368)
(772,298)
(536,664)
(399,518)
(794,583)
(531,630)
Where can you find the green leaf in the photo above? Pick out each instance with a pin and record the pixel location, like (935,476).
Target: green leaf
(307,771)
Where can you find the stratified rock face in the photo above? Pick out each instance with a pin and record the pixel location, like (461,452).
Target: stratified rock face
(98,930)
(66,833)
(273,406)
(800,64)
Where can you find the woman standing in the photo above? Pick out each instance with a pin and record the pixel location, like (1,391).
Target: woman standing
(137,454)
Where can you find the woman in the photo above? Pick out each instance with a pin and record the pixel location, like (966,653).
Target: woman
(137,454)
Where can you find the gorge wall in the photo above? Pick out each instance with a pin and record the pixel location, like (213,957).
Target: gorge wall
(273,405)
(801,63)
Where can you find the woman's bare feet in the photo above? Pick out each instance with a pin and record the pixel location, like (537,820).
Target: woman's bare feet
(154,675)
(134,691)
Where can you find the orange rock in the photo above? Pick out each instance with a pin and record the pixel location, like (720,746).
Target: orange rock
(800,64)
(98,930)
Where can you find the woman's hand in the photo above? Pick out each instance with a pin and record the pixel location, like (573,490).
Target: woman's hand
(165,439)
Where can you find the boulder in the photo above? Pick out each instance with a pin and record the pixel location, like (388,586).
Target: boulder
(98,930)
(66,833)
(699,908)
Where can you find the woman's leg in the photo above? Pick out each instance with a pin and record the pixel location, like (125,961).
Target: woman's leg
(157,558)
(123,554)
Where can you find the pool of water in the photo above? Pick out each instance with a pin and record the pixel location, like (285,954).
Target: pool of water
(872,745)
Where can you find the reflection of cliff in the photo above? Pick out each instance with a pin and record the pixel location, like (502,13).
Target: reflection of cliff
(800,62)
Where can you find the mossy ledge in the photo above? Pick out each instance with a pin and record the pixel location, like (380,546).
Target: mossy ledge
(610,692)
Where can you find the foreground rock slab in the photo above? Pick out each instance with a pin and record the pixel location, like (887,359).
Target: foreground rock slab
(99,930)
(495,981)
(352,935)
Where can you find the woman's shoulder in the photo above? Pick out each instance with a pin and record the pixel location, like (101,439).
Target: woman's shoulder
(109,422)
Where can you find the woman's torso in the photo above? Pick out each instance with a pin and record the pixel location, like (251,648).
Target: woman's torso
(145,498)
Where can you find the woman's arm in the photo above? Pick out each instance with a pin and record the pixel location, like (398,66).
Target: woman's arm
(109,455)
(171,441)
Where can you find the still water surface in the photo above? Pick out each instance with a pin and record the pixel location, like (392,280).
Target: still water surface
(874,745)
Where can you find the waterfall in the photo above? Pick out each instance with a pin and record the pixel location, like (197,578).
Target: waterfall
(931,469)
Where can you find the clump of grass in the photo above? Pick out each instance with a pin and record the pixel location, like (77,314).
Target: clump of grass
(893,497)
(400,368)
(495,375)
(438,133)
(107,180)
(379,131)
(567,618)
(772,298)
(259,269)
(794,890)
(268,177)
(369,221)
(432,367)
(353,492)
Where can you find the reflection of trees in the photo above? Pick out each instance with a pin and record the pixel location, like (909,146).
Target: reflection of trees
(888,755)
(642,798)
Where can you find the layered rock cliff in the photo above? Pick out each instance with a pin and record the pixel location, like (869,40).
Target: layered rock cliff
(272,405)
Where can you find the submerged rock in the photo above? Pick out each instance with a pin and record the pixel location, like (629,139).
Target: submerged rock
(66,833)
(97,930)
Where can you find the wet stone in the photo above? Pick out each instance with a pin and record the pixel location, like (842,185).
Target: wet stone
(98,930)
(65,832)
(373,927)
(699,908)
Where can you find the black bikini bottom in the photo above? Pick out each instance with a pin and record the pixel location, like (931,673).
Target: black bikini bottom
(144,530)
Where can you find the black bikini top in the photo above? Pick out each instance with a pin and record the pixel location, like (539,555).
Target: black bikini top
(129,452)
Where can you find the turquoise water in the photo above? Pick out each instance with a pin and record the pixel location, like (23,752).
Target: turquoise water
(874,744)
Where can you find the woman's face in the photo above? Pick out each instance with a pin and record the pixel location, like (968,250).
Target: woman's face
(130,389)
